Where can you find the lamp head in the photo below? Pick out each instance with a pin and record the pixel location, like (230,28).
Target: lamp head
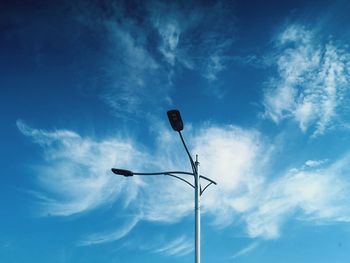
(175,120)
(122,172)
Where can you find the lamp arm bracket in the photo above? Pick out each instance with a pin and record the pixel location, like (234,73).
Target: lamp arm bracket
(163,173)
(208,179)
(178,177)
(202,191)
(170,173)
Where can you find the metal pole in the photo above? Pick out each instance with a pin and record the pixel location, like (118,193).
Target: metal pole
(197,197)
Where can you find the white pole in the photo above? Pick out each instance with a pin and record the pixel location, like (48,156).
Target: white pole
(197,196)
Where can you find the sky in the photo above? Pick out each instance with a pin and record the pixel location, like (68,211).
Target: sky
(263,88)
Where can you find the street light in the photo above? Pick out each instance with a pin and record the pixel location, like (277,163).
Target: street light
(177,124)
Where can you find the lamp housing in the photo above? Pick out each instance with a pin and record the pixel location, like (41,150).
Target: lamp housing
(122,172)
(175,120)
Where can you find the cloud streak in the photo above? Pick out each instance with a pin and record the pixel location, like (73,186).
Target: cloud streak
(142,58)
(309,194)
(313,80)
(176,29)
(100,238)
(178,247)
(75,175)
(246,250)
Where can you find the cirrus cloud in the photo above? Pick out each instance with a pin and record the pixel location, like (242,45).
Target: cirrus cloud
(313,80)
(75,178)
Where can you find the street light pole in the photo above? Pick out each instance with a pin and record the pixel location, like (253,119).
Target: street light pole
(177,124)
(197,214)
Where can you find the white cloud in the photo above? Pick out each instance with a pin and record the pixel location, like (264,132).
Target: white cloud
(76,175)
(183,40)
(170,34)
(320,195)
(129,74)
(114,235)
(246,250)
(234,158)
(314,163)
(75,179)
(133,75)
(312,83)
(229,155)
(215,65)
(178,247)
(239,161)
(140,52)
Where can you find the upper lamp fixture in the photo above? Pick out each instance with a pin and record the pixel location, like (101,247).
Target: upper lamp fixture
(122,172)
(175,120)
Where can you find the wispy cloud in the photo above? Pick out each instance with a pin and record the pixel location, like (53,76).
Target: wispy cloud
(178,247)
(169,32)
(314,163)
(196,37)
(75,179)
(313,79)
(134,76)
(239,157)
(318,191)
(76,176)
(110,236)
(139,58)
(313,194)
(128,70)
(246,250)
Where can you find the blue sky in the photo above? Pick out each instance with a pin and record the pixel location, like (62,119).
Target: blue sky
(263,88)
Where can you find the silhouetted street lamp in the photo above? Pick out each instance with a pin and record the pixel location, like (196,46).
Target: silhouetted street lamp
(177,124)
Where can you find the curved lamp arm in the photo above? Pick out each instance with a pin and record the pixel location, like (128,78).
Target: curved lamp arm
(188,153)
(169,173)
(131,173)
